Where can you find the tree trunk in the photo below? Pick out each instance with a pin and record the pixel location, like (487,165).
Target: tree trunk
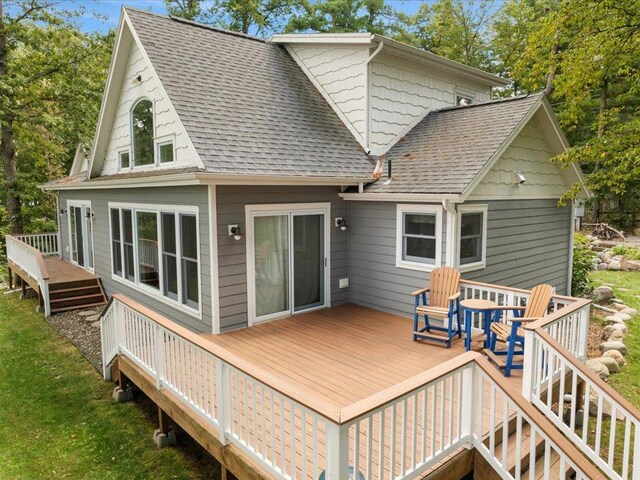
(7,145)
(548,90)
(604,94)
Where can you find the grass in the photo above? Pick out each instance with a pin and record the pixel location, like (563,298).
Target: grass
(56,415)
(626,286)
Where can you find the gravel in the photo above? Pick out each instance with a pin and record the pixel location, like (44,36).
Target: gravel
(78,326)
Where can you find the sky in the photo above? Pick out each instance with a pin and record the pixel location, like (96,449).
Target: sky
(110,10)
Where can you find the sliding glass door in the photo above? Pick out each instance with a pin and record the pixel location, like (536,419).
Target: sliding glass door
(80,234)
(287,261)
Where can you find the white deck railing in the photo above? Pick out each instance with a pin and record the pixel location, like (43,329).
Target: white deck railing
(396,434)
(29,259)
(46,243)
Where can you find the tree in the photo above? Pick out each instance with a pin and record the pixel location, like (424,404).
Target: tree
(189,9)
(51,81)
(456,29)
(342,16)
(585,55)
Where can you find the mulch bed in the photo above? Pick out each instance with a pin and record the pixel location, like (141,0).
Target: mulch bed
(595,338)
(81,329)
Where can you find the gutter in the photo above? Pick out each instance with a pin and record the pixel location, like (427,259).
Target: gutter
(402,197)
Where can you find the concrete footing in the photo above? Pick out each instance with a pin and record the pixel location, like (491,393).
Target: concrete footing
(122,396)
(163,440)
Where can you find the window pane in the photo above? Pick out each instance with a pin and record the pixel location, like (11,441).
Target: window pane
(190,282)
(169,232)
(142,130)
(127,233)
(188,236)
(148,270)
(471,224)
(416,224)
(124,160)
(117,258)
(420,249)
(166,152)
(470,250)
(115,224)
(169,259)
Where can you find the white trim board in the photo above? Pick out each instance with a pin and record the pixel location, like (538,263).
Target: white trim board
(401,210)
(290,209)
(213,254)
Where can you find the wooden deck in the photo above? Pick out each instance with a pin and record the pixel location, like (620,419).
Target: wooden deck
(342,354)
(61,271)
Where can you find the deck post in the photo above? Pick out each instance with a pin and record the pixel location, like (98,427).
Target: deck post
(10,278)
(44,292)
(528,367)
(23,284)
(223,394)
(469,402)
(337,452)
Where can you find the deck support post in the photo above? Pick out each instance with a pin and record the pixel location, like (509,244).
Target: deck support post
(338,452)
(165,435)
(23,284)
(10,278)
(123,391)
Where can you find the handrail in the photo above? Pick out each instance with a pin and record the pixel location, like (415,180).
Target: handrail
(540,420)
(577,304)
(44,274)
(587,372)
(272,381)
(475,283)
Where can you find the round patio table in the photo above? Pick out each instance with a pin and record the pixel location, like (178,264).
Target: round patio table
(484,307)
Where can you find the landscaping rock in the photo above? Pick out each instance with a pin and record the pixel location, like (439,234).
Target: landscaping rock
(617,301)
(613,345)
(92,318)
(607,256)
(616,336)
(617,356)
(631,265)
(86,313)
(629,311)
(602,266)
(96,324)
(618,306)
(620,327)
(610,363)
(613,319)
(606,331)
(615,265)
(602,294)
(598,368)
(606,408)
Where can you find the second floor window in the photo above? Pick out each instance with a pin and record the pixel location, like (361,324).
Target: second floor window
(142,133)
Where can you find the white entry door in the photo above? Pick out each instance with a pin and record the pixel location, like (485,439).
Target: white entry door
(80,233)
(287,259)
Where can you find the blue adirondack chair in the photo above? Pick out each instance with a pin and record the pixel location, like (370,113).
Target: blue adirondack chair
(440,301)
(511,333)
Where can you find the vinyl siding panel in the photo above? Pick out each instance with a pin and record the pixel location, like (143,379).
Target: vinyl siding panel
(192,196)
(527,244)
(403,91)
(167,125)
(376,281)
(342,74)
(529,154)
(231,201)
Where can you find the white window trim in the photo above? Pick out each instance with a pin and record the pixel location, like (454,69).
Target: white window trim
(120,153)
(160,141)
(401,209)
(465,94)
(472,208)
(152,292)
(80,204)
(252,211)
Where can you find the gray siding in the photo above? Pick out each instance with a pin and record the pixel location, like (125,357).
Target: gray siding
(232,268)
(194,196)
(376,282)
(527,244)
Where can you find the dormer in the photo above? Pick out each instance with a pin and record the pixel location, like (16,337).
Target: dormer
(381,88)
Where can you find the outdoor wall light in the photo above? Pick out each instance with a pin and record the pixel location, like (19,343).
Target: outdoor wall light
(234,231)
(341,223)
(63,211)
(519,178)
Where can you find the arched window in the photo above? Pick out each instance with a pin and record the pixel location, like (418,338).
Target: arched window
(142,132)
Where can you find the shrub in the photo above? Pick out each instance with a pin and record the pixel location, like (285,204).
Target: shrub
(580,239)
(582,263)
(627,251)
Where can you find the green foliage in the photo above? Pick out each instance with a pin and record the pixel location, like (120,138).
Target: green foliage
(627,251)
(580,240)
(58,420)
(582,263)
(340,16)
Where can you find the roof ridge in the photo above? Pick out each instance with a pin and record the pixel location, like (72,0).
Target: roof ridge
(198,24)
(489,102)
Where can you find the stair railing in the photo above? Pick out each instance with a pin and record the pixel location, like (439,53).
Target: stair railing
(30,260)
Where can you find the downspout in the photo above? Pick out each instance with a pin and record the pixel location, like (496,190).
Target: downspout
(366,96)
(452,229)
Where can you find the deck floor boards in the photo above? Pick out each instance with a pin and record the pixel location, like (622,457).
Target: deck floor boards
(61,271)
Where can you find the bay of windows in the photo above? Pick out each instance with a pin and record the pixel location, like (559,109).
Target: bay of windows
(157,249)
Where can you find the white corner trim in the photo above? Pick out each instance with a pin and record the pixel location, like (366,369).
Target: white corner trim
(572,235)
(401,209)
(213,260)
(472,208)
(327,97)
(452,227)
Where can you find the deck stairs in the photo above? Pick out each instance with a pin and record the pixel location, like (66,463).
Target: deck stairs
(77,294)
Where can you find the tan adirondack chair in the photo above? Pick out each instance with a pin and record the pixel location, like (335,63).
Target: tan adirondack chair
(511,332)
(440,301)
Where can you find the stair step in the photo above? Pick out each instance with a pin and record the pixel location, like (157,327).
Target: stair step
(525,449)
(76,299)
(76,307)
(90,282)
(555,470)
(70,292)
(500,360)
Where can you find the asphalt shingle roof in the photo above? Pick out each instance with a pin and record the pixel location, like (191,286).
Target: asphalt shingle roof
(449,147)
(246,105)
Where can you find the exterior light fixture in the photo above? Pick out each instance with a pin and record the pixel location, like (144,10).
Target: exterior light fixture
(137,80)
(519,178)
(341,223)
(63,211)
(234,231)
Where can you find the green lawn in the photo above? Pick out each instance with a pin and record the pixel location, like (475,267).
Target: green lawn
(626,286)
(56,416)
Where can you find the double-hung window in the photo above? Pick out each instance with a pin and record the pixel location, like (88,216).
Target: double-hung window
(418,236)
(157,249)
(472,236)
